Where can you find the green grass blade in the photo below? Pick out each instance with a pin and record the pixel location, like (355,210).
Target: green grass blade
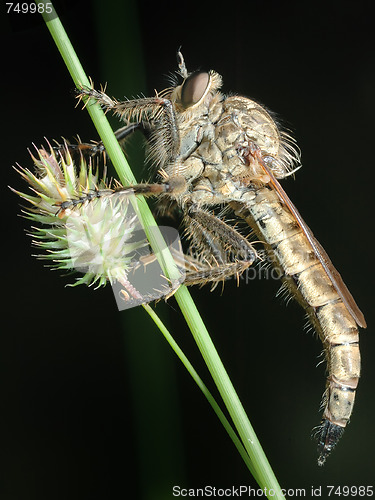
(201,386)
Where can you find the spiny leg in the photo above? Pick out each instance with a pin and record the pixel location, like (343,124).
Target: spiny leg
(150,112)
(137,189)
(215,241)
(97,148)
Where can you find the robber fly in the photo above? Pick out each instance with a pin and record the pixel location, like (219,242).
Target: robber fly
(213,150)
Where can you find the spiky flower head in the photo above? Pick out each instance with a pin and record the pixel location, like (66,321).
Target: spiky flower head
(80,224)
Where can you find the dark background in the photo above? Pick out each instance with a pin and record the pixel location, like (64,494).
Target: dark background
(94,402)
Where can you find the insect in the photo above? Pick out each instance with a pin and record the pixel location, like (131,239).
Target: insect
(213,151)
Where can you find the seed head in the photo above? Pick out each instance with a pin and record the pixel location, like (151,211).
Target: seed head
(79,223)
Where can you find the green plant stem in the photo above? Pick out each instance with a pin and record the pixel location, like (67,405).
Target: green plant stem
(201,386)
(260,467)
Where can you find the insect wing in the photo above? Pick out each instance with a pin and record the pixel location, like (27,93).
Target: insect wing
(319,251)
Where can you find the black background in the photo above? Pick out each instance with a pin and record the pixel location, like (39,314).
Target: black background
(95,405)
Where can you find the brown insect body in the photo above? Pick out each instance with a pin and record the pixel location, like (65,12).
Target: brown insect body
(215,151)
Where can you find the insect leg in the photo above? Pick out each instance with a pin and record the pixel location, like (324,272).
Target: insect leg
(147,111)
(222,251)
(144,189)
(96,148)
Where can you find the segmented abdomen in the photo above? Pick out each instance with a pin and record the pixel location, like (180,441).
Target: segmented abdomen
(308,282)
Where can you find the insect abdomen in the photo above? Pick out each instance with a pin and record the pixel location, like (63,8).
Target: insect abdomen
(291,252)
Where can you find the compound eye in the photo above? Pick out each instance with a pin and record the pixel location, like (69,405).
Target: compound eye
(194,88)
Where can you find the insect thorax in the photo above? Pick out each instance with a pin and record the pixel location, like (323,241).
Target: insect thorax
(211,138)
